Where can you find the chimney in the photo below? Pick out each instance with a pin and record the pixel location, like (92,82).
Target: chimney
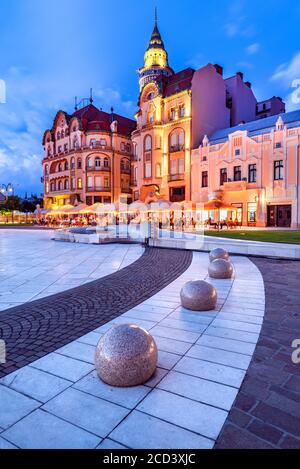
(240,74)
(219,69)
(247,83)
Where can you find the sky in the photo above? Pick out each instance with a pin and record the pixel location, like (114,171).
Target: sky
(51,51)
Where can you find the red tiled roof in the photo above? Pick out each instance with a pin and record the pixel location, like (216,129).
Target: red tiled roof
(179,81)
(93,118)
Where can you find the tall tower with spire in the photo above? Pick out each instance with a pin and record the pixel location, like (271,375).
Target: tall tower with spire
(155,59)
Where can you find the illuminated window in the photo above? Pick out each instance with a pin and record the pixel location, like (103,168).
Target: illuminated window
(79,183)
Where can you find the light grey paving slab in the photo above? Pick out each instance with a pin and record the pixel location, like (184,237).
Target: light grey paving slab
(62,366)
(244,336)
(246,311)
(92,338)
(237,325)
(167,360)
(35,383)
(226,344)
(79,351)
(110,444)
(88,412)
(14,406)
(188,414)
(203,317)
(141,431)
(139,322)
(176,334)
(202,390)
(4,444)
(127,397)
(183,325)
(224,357)
(41,430)
(138,314)
(171,345)
(213,371)
(153,308)
(241,317)
(156,378)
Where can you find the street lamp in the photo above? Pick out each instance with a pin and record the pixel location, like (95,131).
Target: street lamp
(7,190)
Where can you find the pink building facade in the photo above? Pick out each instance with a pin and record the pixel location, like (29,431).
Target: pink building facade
(254,167)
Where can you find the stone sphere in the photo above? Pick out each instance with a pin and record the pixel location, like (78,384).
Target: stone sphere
(126,355)
(218,253)
(220,268)
(198,295)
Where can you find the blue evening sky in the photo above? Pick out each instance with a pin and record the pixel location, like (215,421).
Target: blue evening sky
(51,51)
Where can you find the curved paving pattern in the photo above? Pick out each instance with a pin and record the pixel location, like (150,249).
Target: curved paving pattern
(266,413)
(34,329)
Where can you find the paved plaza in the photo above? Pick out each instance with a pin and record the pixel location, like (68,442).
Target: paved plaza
(225,378)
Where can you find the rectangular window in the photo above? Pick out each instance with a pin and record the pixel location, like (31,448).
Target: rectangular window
(89,181)
(237,152)
(204,179)
(181,165)
(173,167)
(251,212)
(148,169)
(97,182)
(252,173)
(79,183)
(181,111)
(278,170)
(106,181)
(173,114)
(278,145)
(237,173)
(223,176)
(73,183)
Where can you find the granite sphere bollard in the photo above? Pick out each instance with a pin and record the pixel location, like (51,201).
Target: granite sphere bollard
(126,355)
(198,295)
(218,253)
(220,268)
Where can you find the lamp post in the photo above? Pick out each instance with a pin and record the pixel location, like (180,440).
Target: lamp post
(8,190)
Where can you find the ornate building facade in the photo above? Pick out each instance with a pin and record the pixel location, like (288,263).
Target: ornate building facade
(197,135)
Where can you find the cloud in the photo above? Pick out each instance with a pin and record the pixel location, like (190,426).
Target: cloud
(289,76)
(289,71)
(253,48)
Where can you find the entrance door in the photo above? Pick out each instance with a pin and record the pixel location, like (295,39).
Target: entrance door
(280,215)
(284,215)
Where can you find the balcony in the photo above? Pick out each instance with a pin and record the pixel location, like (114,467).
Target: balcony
(175,148)
(175,177)
(98,189)
(98,168)
(125,170)
(125,190)
(133,182)
(134,158)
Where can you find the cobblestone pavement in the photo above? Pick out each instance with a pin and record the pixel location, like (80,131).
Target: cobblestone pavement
(35,329)
(266,413)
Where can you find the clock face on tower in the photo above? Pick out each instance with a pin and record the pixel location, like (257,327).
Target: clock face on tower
(149,92)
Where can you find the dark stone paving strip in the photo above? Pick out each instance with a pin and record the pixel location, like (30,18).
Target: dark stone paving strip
(35,329)
(266,413)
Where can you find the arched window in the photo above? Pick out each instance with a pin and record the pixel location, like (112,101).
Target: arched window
(66,184)
(60,185)
(97,162)
(176,140)
(106,162)
(89,162)
(72,163)
(62,135)
(52,187)
(46,170)
(79,163)
(49,151)
(66,166)
(158,170)
(147,157)
(58,135)
(123,165)
(60,167)
(67,132)
(148,143)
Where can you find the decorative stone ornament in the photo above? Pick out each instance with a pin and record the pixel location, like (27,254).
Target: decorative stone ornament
(126,355)
(220,268)
(198,295)
(218,253)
